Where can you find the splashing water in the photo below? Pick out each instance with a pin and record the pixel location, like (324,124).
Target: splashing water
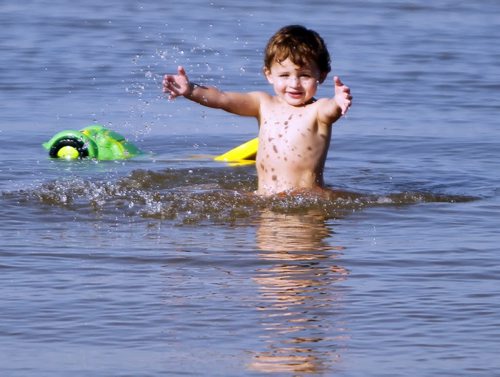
(197,195)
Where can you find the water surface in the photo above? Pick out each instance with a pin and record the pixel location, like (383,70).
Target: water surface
(168,265)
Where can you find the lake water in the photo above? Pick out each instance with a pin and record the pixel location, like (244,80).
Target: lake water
(163,265)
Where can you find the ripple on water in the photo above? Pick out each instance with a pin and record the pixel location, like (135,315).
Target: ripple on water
(199,195)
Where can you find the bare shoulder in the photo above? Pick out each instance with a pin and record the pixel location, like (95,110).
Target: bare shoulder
(261,96)
(246,104)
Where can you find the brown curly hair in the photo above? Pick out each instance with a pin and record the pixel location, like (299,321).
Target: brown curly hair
(301,45)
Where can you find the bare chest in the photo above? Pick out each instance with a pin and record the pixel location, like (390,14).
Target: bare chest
(298,130)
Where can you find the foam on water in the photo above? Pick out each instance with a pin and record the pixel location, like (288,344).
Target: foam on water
(189,195)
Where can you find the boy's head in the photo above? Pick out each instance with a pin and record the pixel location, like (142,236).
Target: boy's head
(300,45)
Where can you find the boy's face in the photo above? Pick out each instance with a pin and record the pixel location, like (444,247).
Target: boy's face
(296,85)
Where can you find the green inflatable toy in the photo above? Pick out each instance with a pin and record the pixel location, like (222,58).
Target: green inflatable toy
(95,142)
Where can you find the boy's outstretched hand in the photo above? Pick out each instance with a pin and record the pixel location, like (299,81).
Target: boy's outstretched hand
(342,95)
(177,85)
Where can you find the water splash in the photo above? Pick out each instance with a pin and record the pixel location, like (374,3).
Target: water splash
(192,196)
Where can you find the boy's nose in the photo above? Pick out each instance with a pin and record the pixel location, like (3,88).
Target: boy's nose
(293,81)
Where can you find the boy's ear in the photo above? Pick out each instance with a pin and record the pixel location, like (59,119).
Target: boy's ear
(267,73)
(322,77)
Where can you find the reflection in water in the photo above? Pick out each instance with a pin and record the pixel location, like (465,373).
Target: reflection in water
(298,299)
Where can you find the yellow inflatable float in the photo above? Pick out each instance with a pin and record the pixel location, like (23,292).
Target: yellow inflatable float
(241,155)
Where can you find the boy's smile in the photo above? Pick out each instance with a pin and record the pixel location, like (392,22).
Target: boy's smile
(296,85)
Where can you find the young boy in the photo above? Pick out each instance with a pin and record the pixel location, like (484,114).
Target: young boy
(294,127)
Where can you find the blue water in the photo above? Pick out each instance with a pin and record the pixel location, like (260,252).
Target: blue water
(165,265)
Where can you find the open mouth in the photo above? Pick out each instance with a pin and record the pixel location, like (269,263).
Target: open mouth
(295,94)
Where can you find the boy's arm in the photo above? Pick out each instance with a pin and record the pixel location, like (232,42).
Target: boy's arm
(237,103)
(337,106)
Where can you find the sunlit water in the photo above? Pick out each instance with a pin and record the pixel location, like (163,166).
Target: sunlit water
(167,264)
